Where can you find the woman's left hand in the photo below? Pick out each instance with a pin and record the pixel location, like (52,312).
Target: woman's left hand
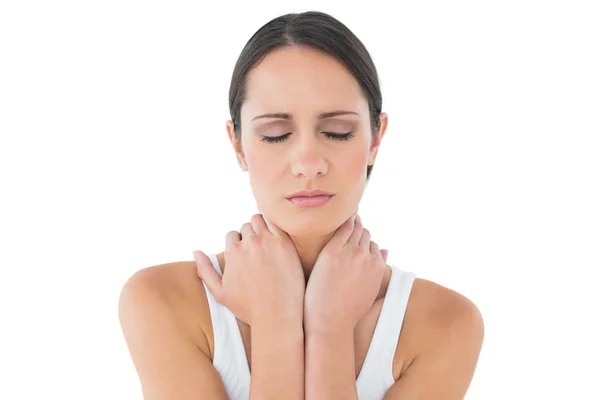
(345,280)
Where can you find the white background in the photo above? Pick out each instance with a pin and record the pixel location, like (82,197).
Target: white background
(114,157)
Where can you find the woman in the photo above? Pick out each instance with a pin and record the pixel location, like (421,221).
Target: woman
(301,300)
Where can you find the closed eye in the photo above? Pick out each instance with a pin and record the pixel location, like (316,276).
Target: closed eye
(331,135)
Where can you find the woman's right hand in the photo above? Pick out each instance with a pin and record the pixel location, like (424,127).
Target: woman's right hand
(264,280)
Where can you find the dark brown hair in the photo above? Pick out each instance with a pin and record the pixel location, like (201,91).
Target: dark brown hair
(317,30)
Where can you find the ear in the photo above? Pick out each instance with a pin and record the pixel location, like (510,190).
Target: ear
(237,146)
(376,140)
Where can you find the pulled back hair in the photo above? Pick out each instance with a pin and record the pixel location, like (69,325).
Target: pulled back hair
(320,31)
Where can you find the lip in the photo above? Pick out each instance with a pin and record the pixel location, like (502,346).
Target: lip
(309,193)
(312,201)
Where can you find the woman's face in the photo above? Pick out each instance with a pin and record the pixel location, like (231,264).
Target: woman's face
(304,83)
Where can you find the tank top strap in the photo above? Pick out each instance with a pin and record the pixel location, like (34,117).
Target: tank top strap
(393,312)
(377,367)
(229,353)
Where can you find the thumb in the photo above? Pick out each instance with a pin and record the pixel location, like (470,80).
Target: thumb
(274,228)
(384,254)
(208,274)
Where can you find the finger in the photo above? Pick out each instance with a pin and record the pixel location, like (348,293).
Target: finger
(354,239)
(365,239)
(374,249)
(343,232)
(208,274)
(275,230)
(384,254)
(258,223)
(232,238)
(247,230)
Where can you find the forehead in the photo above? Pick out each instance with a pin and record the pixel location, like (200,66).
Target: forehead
(302,79)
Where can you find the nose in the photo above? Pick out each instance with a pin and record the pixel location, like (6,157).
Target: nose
(308,159)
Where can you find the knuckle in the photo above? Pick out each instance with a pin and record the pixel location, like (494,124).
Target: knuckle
(254,239)
(281,241)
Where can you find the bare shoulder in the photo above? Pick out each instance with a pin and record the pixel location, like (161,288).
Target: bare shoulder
(444,332)
(177,288)
(437,316)
(442,307)
(160,311)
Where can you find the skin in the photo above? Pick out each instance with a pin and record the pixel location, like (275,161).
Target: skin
(304,82)
(442,333)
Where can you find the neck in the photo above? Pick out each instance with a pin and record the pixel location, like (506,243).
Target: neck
(308,249)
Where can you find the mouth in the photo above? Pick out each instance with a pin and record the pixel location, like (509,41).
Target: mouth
(309,201)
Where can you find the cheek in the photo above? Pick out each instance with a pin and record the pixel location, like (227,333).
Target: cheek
(263,174)
(354,162)
(352,171)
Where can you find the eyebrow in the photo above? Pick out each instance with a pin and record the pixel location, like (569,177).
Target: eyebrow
(288,116)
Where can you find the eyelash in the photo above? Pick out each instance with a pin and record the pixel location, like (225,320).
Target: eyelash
(338,136)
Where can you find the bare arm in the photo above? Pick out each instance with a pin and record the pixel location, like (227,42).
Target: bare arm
(168,363)
(444,370)
(330,367)
(277,360)
(451,332)
(171,366)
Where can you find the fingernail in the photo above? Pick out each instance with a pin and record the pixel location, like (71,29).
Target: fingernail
(384,254)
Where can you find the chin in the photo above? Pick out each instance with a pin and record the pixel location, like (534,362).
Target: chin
(318,221)
(299,226)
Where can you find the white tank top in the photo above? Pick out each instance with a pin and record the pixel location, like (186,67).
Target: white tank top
(375,377)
